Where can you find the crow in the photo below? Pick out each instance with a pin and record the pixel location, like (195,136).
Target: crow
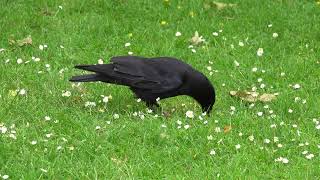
(153,78)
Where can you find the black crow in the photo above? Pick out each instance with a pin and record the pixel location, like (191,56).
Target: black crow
(153,78)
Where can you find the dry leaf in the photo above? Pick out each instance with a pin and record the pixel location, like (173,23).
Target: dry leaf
(220,5)
(267,97)
(245,95)
(25,41)
(226,129)
(196,39)
(11,41)
(251,96)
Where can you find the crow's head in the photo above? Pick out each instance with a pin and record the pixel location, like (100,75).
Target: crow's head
(202,91)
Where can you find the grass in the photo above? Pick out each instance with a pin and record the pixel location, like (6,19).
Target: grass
(155,148)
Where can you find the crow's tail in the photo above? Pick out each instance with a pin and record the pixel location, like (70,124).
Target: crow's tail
(86,78)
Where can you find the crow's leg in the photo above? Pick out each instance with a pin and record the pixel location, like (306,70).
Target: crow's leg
(153,105)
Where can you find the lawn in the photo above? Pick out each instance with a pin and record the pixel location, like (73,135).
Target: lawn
(53,129)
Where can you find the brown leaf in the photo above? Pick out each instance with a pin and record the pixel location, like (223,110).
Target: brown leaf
(221,6)
(245,95)
(267,97)
(11,41)
(25,41)
(226,129)
(251,96)
(196,39)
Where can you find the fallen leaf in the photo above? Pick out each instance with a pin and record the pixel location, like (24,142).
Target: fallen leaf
(251,96)
(221,6)
(267,97)
(245,95)
(196,39)
(25,41)
(226,129)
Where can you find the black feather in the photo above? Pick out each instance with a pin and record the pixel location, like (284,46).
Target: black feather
(150,78)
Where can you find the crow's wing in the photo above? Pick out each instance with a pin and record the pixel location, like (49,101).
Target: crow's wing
(139,73)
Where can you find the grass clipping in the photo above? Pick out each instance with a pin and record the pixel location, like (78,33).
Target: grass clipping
(250,96)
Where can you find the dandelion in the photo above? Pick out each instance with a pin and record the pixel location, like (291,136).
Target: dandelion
(189,114)
(260,52)
(178,34)
(163,23)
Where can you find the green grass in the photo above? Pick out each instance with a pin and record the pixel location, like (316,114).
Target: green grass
(132,148)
